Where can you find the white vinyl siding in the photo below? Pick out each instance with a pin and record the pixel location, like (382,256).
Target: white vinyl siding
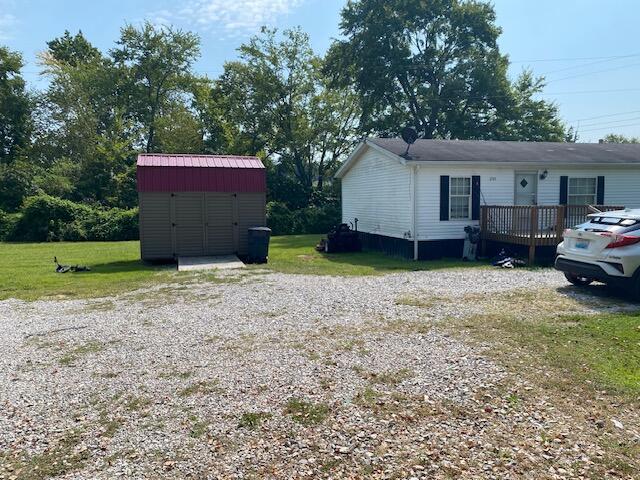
(620,186)
(496,185)
(376,191)
(497,188)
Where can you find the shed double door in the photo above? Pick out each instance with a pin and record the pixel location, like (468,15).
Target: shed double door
(204,223)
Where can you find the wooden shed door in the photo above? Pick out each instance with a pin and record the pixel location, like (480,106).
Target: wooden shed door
(188,224)
(219,224)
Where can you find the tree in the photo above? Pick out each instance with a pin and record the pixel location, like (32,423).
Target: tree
(434,65)
(16,183)
(158,63)
(179,131)
(530,119)
(571,136)
(617,138)
(336,115)
(277,102)
(72,50)
(15,108)
(85,135)
(207,106)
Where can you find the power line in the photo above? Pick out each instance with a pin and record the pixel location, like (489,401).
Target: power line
(592,124)
(588,64)
(572,59)
(605,116)
(608,128)
(578,92)
(594,72)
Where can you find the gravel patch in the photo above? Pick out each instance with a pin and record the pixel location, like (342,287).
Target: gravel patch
(278,376)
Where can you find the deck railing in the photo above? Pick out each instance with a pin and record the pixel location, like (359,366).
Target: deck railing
(533,226)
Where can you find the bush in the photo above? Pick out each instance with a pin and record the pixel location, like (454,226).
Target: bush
(313,219)
(15,184)
(8,223)
(115,224)
(280,219)
(316,219)
(46,218)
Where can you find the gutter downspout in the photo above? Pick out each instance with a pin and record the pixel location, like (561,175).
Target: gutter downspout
(414,200)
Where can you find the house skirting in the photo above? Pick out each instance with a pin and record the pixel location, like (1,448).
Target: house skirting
(437,249)
(397,247)
(401,247)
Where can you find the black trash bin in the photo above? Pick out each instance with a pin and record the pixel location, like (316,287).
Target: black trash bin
(259,244)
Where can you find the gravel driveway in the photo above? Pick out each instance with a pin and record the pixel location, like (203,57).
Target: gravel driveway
(264,375)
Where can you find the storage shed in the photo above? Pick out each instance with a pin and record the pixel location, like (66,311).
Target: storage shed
(195,205)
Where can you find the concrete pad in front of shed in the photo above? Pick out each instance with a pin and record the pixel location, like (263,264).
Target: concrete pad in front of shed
(222,262)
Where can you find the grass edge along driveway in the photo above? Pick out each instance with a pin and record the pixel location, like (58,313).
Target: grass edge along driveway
(27,270)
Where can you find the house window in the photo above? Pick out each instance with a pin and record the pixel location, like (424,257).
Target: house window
(582,191)
(460,198)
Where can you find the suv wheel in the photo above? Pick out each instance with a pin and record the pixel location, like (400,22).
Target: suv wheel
(578,280)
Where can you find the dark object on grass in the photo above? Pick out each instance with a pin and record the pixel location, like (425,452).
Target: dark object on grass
(342,239)
(69,268)
(506,259)
(322,245)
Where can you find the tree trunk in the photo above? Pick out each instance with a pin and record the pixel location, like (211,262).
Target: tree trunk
(150,138)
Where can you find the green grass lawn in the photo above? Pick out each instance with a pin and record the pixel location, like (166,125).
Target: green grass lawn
(598,351)
(604,347)
(296,254)
(27,270)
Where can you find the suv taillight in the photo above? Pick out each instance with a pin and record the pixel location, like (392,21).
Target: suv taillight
(620,240)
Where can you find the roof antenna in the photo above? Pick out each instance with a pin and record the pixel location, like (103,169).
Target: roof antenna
(409,135)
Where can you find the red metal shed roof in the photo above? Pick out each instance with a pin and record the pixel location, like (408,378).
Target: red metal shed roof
(186,160)
(200,173)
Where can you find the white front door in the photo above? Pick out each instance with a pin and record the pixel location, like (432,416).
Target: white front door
(526,188)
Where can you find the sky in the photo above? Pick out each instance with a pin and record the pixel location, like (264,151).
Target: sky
(586,49)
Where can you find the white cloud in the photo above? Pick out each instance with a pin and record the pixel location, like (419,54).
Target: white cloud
(7,22)
(231,17)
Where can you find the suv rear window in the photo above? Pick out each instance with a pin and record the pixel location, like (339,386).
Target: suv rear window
(611,224)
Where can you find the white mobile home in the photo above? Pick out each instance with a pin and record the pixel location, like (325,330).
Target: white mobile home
(416,203)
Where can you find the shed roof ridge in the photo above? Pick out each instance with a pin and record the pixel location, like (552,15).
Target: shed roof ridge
(214,155)
(184,160)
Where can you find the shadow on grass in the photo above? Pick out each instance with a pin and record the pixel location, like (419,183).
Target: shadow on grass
(601,291)
(297,254)
(128,266)
(383,262)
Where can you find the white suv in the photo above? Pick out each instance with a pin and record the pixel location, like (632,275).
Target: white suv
(606,248)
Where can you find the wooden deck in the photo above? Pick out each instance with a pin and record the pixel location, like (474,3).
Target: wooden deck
(532,226)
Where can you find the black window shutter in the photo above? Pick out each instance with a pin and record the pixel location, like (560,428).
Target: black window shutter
(475,197)
(444,197)
(564,190)
(600,191)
